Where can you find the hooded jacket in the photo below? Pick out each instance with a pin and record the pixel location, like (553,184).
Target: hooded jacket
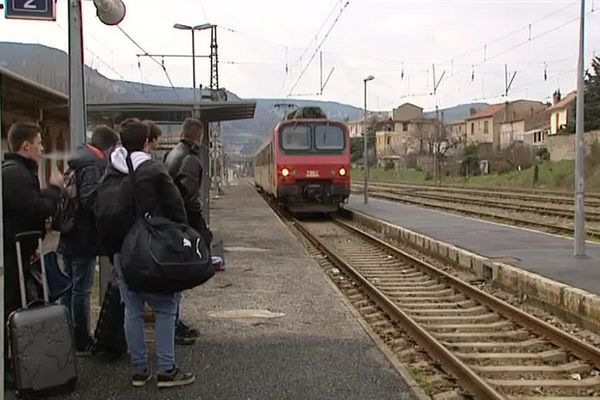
(155,193)
(185,167)
(89,164)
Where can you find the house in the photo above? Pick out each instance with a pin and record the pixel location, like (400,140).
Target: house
(485,125)
(457,130)
(407,112)
(562,111)
(531,129)
(374,121)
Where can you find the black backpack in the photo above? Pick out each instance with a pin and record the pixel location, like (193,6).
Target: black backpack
(113,212)
(64,219)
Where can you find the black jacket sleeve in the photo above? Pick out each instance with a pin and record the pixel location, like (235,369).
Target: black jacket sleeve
(170,198)
(189,181)
(21,193)
(89,177)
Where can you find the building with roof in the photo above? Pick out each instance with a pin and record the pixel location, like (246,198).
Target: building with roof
(485,125)
(562,111)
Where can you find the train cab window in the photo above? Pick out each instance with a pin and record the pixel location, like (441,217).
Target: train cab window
(329,137)
(295,137)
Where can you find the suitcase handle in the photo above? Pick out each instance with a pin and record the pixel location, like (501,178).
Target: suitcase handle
(18,239)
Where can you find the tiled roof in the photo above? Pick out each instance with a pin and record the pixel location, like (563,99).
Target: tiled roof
(488,111)
(567,101)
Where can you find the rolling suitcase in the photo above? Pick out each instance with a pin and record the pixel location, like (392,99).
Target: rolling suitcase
(41,337)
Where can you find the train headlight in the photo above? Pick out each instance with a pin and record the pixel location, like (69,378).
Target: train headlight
(285,172)
(342,171)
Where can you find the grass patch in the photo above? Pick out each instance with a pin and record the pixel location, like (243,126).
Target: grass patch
(559,175)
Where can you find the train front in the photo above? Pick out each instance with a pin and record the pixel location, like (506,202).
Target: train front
(312,160)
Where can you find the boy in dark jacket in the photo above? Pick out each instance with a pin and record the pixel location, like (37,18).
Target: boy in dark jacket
(156,194)
(185,167)
(25,206)
(80,247)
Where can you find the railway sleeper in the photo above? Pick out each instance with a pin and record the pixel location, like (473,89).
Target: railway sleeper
(477,310)
(481,335)
(417,293)
(548,356)
(487,317)
(427,298)
(520,371)
(535,345)
(427,305)
(408,288)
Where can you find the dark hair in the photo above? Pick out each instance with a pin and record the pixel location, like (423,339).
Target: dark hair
(104,138)
(154,131)
(21,132)
(192,129)
(133,135)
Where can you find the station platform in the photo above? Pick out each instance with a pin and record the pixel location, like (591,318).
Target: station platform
(271,325)
(548,255)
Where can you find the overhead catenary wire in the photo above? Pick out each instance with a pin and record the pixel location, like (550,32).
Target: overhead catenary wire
(160,64)
(318,48)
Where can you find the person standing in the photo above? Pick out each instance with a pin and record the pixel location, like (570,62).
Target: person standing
(185,167)
(155,194)
(26,207)
(79,247)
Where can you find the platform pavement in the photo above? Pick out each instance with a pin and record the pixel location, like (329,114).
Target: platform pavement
(548,255)
(315,350)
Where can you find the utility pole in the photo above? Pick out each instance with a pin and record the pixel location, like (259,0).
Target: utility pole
(507,83)
(436,161)
(366,146)
(77,114)
(579,242)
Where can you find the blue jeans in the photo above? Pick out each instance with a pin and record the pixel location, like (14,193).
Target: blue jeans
(77,300)
(165,309)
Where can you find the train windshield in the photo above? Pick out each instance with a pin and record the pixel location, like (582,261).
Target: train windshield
(329,137)
(296,137)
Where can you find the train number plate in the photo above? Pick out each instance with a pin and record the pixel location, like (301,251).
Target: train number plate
(312,174)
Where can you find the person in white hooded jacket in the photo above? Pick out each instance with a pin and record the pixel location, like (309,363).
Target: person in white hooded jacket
(155,194)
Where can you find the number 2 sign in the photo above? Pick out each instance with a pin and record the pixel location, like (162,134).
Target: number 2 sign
(31,9)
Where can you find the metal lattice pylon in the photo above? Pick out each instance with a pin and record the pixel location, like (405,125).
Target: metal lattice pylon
(214,59)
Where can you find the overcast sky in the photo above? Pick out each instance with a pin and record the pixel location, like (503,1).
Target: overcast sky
(383,38)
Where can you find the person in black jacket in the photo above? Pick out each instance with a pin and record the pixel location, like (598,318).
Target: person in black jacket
(80,246)
(25,206)
(185,167)
(156,194)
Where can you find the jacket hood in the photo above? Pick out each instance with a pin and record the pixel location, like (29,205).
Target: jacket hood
(119,156)
(85,155)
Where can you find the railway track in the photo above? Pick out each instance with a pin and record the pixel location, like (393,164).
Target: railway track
(464,205)
(492,349)
(559,197)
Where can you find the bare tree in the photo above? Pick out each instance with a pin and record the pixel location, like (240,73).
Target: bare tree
(436,140)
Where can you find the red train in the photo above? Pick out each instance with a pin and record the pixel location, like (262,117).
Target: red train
(305,163)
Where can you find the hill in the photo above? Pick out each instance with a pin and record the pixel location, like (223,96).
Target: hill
(49,66)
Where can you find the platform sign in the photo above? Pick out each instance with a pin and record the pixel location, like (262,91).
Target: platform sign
(44,10)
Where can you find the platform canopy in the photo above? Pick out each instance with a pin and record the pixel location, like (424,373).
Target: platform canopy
(29,97)
(210,111)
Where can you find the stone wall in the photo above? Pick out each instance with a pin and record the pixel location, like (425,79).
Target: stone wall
(562,147)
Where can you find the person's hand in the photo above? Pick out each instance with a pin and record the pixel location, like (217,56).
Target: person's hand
(56,180)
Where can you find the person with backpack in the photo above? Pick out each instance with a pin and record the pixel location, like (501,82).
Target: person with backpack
(78,243)
(26,207)
(121,198)
(185,167)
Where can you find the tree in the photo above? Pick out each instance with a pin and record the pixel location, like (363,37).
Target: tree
(436,140)
(592,100)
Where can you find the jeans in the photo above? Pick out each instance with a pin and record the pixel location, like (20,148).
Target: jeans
(165,309)
(77,300)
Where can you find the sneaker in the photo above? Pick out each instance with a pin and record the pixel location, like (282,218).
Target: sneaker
(175,378)
(85,349)
(185,330)
(184,335)
(139,379)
